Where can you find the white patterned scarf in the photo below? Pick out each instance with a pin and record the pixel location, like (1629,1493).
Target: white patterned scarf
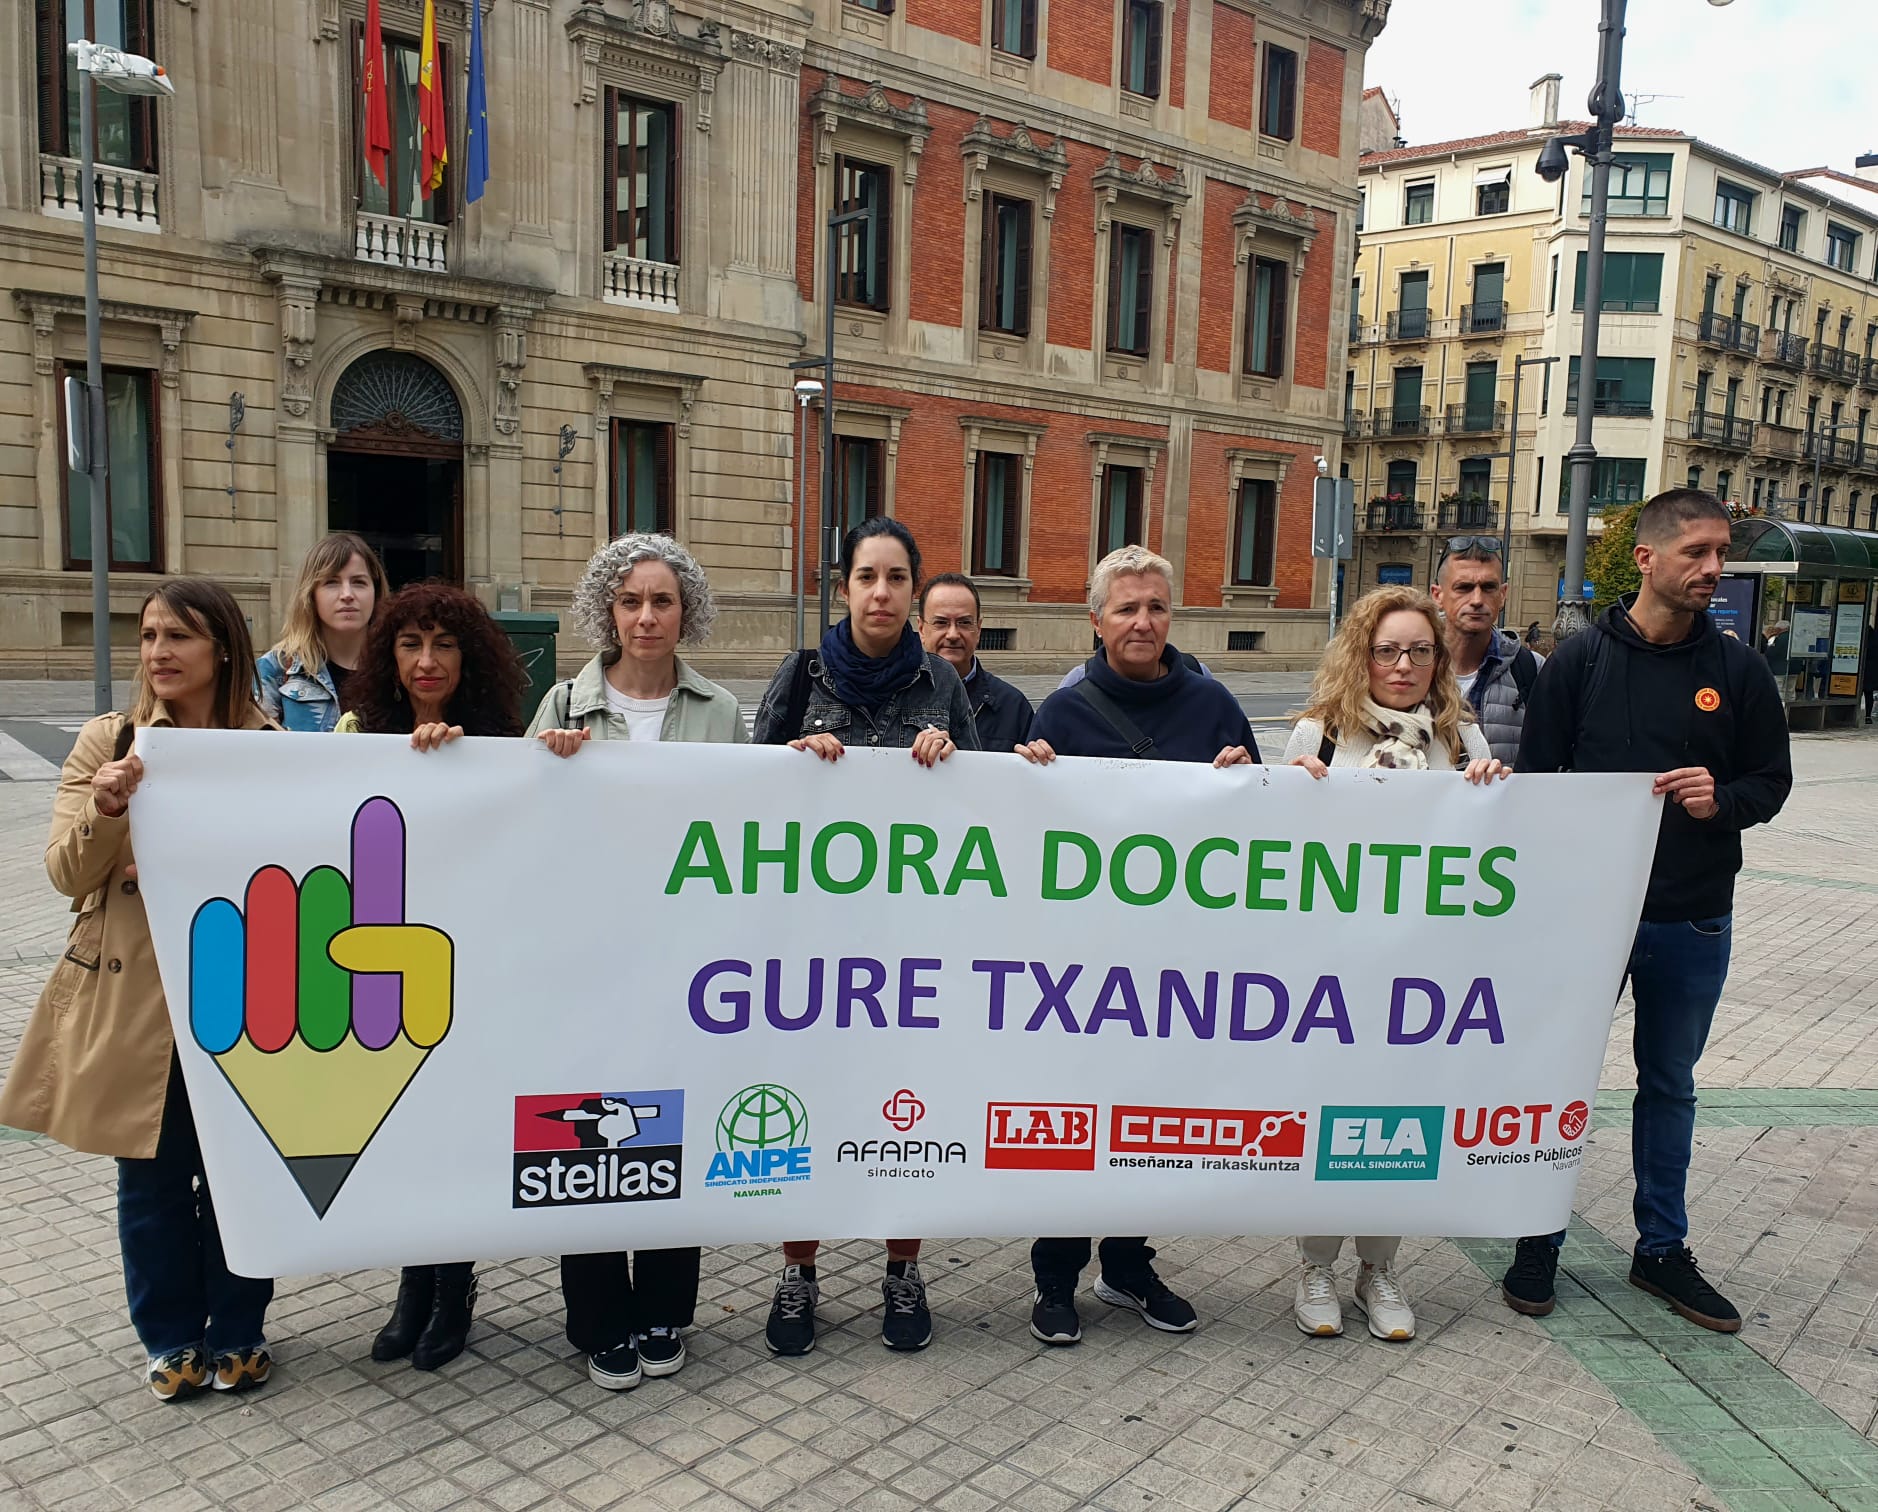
(1403,736)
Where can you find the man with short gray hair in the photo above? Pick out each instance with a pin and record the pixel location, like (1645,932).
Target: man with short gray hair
(1495,672)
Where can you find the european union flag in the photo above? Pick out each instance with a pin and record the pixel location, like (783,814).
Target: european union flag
(477,115)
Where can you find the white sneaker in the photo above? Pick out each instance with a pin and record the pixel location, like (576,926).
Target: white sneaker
(1315,1304)
(1380,1297)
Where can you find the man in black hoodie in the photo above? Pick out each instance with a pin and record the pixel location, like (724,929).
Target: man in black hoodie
(1656,687)
(1137,697)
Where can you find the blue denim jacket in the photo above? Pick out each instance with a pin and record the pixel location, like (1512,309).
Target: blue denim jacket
(299,699)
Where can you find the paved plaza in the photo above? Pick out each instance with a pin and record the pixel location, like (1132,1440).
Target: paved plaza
(1611,1402)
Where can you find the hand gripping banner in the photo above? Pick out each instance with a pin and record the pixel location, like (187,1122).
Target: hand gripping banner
(486,1002)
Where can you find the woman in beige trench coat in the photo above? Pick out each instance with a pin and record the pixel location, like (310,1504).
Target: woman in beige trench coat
(97,1067)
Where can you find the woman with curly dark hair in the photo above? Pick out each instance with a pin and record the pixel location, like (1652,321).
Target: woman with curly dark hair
(435,667)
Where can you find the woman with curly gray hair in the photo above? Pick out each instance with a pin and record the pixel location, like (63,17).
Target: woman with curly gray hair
(640,597)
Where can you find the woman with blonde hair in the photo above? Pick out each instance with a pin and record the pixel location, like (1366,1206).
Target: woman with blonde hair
(97,1068)
(1385,697)
(302,681)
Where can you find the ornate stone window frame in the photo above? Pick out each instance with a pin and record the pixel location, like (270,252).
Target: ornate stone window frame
(1243,463)
(135,336)
(1285,235)
(633,393)
(871,127)
(1014,166)
(1107,449)
(993,433)
(1139,198)
(658,54)
(865,421)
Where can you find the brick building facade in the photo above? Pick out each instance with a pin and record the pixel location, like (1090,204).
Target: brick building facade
(1104,296)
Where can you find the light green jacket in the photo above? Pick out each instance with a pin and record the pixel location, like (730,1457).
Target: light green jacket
(699,710)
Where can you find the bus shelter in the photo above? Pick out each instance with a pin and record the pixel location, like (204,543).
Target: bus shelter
(1803,595)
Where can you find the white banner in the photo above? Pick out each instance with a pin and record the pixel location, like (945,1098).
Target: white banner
(485,1002)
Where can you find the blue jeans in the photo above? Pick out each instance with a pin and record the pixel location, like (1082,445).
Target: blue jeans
(179,1287)
(1676,973)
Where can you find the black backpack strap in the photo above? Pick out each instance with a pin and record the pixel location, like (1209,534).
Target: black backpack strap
(1138,743)
(1525,674)
(1327,747)
(797,709)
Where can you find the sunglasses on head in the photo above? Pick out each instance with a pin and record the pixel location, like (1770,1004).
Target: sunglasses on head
(1458,544)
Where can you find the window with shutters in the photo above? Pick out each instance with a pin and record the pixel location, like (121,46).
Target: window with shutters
(642,477)
(1625,386)
(997,508)
(1255,534)
(1614,481)
(1004,266)
(1278,94)
(864,269)
(1141,48)
(1633,281)
(1131,289)
(1118,522)
(1014,27)
(642,213)
(1267,317)
(859,482)
(134,482)
(127,124)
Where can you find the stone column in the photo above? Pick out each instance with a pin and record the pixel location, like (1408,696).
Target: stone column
(299,477)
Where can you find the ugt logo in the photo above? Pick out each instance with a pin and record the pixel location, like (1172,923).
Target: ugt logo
(762,1138)
(319,1003)
(1379,1144)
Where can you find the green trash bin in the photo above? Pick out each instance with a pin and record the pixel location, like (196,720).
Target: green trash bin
(532,635)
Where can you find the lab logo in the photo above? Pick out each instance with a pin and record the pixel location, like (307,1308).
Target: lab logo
(1379,1144)
(903,1110)
(1040,1136)
(583,1148)
(1707,700)
(762,1139)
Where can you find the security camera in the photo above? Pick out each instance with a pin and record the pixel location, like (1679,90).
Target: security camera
(1553,164)
(1323,466)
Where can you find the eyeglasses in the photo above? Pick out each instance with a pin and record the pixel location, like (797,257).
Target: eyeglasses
(1421,654)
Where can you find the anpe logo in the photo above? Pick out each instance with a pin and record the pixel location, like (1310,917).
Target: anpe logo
(1023,1136)
(762,1139)
(1379,1144)
(903,1110)
(1571,1123)
(577,1149)
(1222,1139)
(1520,1136)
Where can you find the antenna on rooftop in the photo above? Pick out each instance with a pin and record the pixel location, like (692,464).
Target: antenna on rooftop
(1638,101)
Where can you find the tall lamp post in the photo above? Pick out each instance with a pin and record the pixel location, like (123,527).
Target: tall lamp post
(121,73)
(1606,104)
(807,391)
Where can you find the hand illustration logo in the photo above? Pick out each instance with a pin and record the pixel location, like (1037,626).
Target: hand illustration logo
(320,1003)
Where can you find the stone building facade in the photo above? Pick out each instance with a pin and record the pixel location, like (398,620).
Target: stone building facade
(1103,296)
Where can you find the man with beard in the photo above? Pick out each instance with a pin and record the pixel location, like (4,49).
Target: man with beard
(1496,673)
(1656,687)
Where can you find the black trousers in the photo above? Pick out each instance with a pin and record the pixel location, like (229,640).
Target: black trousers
(607,1303)
(1063,1259)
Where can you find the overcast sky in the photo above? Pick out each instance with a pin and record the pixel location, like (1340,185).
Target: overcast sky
(1785,83)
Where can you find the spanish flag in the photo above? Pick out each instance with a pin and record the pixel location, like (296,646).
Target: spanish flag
(435,151)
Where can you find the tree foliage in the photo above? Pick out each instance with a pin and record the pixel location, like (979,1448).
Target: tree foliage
(1610,562)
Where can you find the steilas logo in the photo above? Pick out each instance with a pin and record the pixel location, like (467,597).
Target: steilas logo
(575,1149)
(1040,1136)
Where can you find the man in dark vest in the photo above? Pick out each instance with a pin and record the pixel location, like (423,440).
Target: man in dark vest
(1496,673)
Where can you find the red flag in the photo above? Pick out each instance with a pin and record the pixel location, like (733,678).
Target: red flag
(372,80)
(436,149)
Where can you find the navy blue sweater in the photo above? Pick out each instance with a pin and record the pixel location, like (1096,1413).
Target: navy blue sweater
(1191,718)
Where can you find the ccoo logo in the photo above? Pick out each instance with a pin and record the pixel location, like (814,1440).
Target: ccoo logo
(903,1110)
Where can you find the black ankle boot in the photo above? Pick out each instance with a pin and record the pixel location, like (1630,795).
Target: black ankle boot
(417,1293)
(447,1331)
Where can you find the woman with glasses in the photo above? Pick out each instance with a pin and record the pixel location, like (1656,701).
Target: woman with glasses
(1385,697)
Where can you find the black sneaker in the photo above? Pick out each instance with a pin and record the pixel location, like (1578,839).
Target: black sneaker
(791,1326)
(661,1352)
(1145,1293)
(615,1369)
(906,1324)
(1675,1278)
(1053,1317)
(1528,1285)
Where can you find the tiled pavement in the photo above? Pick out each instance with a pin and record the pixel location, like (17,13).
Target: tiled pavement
(1612,1402)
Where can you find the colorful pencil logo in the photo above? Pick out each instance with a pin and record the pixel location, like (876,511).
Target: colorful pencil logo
(319,1003)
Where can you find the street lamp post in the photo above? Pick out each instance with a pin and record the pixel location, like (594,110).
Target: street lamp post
(831,527)
(807,390)
(1594,145)
(122,73)
(1824,433)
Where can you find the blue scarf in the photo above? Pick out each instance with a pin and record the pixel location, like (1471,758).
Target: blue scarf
(866,682)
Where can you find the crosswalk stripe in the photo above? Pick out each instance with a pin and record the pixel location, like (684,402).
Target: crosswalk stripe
(18,763)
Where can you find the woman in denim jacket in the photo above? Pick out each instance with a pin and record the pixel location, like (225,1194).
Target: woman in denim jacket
(302,681)
(870,683)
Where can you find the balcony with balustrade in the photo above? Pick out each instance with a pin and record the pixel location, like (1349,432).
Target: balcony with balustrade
(1728,334)
(1834,363)
(1868,374)
(1781,442)
(1394,514)
(1726,432)
(1486,318)
(1408,325)
(1400,420)
(125,197)
(1610,404)
(1355,424)
(1782,350)
(397,241)
(1471,512)
(1476,419)
(1829,450)
(639,283)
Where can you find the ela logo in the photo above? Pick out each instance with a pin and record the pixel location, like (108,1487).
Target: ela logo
(762,1139)
(580,1148)
(1379,1144)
